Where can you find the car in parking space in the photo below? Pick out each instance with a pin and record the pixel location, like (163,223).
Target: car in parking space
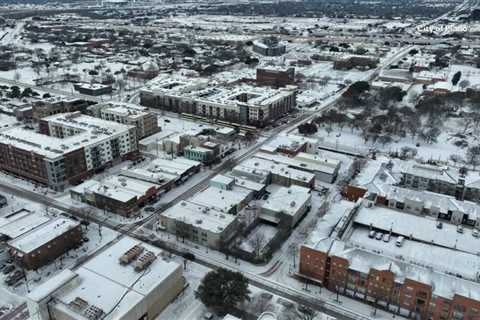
(14,277)
(8,269)
(386,237)
(371,234)
(379,236)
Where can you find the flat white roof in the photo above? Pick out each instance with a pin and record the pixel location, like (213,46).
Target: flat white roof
(288,200)
(220,199)
(419,228)
(21,222)
(200,216)
(103,282)
(43,234)
(91,130)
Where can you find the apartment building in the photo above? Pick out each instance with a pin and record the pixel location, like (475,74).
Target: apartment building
(67,149)
(395,260)
(240,103)
(128,113)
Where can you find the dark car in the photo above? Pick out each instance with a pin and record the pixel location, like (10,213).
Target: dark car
(8,269)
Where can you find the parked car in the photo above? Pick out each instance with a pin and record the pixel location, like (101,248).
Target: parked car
(459,229)
(400,241)
(386,237)
(439,225)
(379,236)
(8,269)
(371,234)
(475,233)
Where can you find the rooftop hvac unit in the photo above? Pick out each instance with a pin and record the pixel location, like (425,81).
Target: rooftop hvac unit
(131,254)
(144,261)
(94,313)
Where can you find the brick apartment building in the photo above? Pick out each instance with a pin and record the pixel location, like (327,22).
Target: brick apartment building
(275,77)
(68,148)
(381,286)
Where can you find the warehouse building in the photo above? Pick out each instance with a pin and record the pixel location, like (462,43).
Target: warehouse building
(128,280)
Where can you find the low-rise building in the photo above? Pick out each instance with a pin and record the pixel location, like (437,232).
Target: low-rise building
(46,242)
(324,169)
(267,171)
(93,89)
(229,201)
(118,194)
(287,206)
(127,280)
(199,223)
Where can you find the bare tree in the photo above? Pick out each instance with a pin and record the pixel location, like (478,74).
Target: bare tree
(257,242)
(473,156)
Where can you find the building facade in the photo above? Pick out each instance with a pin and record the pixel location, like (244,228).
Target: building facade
(67,149)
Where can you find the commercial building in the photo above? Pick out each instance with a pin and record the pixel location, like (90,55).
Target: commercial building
(55,105)
(269,46)
(324,169)
(266,171)
(229,201)
(199,223)
(291,145)
(127,113)
(68,149)
(275,77)
(127,280)
(287,206)
(43,243)
(240,103)
(200,154)
(119,194)
(93,89)
(398,261)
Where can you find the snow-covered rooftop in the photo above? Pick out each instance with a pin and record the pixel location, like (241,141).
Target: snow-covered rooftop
(288,200)
(200,216)
(43,234)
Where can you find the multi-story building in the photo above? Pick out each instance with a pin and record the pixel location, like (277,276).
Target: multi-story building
(127,113)
(118,194)
(269,46)
(441,179)
(69,148)
(398,261)
(243,103)
(287,206)
(47,107)
(199,223)
(275,77)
